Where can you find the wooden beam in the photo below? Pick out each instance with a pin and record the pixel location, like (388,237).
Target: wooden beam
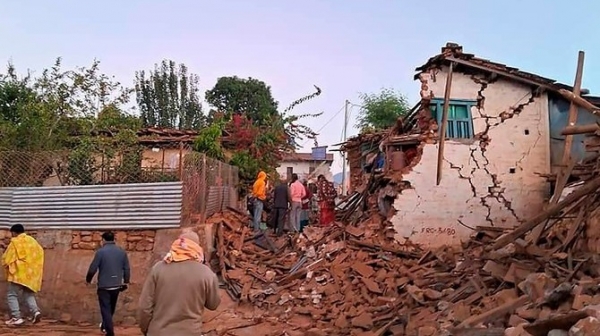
(580,129)
(444,125)
(567,162)
(561,322)
(495,313)
(561,182)
(587,188)
(568,95)
(573,110)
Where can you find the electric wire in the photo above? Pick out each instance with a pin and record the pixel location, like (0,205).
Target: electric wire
(325,124)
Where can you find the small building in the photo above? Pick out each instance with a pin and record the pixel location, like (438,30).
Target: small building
(306,165)
(503,146)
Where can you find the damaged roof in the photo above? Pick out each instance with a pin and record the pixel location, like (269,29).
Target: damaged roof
(453,52)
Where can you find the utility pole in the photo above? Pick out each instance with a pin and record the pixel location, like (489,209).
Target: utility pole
(344,131)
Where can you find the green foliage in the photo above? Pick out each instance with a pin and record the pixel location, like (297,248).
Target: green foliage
(253,146)
(113,118)
(250,97)
(85,111)
(44,113)
(209,140)
(381,110)
(168,97)
(247,164)
(82,164)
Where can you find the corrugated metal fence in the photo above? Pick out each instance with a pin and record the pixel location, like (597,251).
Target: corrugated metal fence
(114,206)
(219,198)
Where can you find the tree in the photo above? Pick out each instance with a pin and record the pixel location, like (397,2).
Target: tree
(168,97)
(250,97)
(243,142)
(43,113)
(381,110)
(59,110)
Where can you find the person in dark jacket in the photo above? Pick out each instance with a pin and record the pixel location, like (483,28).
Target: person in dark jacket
(112,265)
(281,200)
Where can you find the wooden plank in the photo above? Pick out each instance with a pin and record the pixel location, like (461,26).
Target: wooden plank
(444,125)
(561,182)
(586,188)
(567,161)
(574,227)
(581,102)
(477,331)
(495,313)
(573,110)
(562,322)
(580,129)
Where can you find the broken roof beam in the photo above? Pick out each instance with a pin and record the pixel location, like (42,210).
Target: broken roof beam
(554,209)
(567,162)
(581,129)
(579,101)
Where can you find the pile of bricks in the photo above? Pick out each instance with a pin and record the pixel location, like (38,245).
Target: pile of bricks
(139,240)
(355,279)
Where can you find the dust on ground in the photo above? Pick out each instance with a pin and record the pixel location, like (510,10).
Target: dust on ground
(228,319)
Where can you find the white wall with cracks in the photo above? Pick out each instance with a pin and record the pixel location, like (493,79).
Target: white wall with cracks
(492,180)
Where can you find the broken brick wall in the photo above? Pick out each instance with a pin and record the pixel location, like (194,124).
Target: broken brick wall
(68,254)
(491,182)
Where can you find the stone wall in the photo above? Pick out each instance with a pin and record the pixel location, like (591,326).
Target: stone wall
(139,241)
(493,180)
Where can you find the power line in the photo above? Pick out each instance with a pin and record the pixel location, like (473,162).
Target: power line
(327,123)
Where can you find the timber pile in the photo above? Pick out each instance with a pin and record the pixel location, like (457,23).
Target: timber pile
(354,279)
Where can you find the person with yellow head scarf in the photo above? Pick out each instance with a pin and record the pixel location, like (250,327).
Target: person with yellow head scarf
(178,290)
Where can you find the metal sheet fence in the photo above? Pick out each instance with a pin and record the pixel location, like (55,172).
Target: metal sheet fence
(115,206)
(208,185)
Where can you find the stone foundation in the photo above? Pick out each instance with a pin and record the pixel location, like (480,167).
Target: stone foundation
(129,240)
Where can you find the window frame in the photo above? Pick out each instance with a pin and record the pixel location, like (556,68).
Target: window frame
(453,128)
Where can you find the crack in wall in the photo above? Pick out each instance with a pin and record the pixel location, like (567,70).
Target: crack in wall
(495,191)
(461,176)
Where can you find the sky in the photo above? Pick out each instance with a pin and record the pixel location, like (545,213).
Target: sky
(344,47)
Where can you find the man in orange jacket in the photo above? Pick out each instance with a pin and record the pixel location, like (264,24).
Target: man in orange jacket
(259,192)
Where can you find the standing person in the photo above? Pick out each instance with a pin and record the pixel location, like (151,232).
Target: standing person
(281,202)
(298,192)
(259,192)
(327,195)
(177,290)
(306,200)
(112,265)
(23,263)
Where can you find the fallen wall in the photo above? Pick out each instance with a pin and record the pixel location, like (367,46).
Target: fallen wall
(65,296)
(488,181)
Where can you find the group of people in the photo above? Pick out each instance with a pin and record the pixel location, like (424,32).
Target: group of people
(292,199)
(176,291)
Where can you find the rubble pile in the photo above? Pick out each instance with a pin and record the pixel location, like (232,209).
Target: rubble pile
(355,279)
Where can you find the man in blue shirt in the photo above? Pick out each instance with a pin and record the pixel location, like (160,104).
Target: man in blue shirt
(112,265)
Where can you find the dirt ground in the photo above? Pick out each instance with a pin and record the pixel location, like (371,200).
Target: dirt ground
(229,319)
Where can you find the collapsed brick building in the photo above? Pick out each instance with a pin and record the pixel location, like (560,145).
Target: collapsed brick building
(503,149)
